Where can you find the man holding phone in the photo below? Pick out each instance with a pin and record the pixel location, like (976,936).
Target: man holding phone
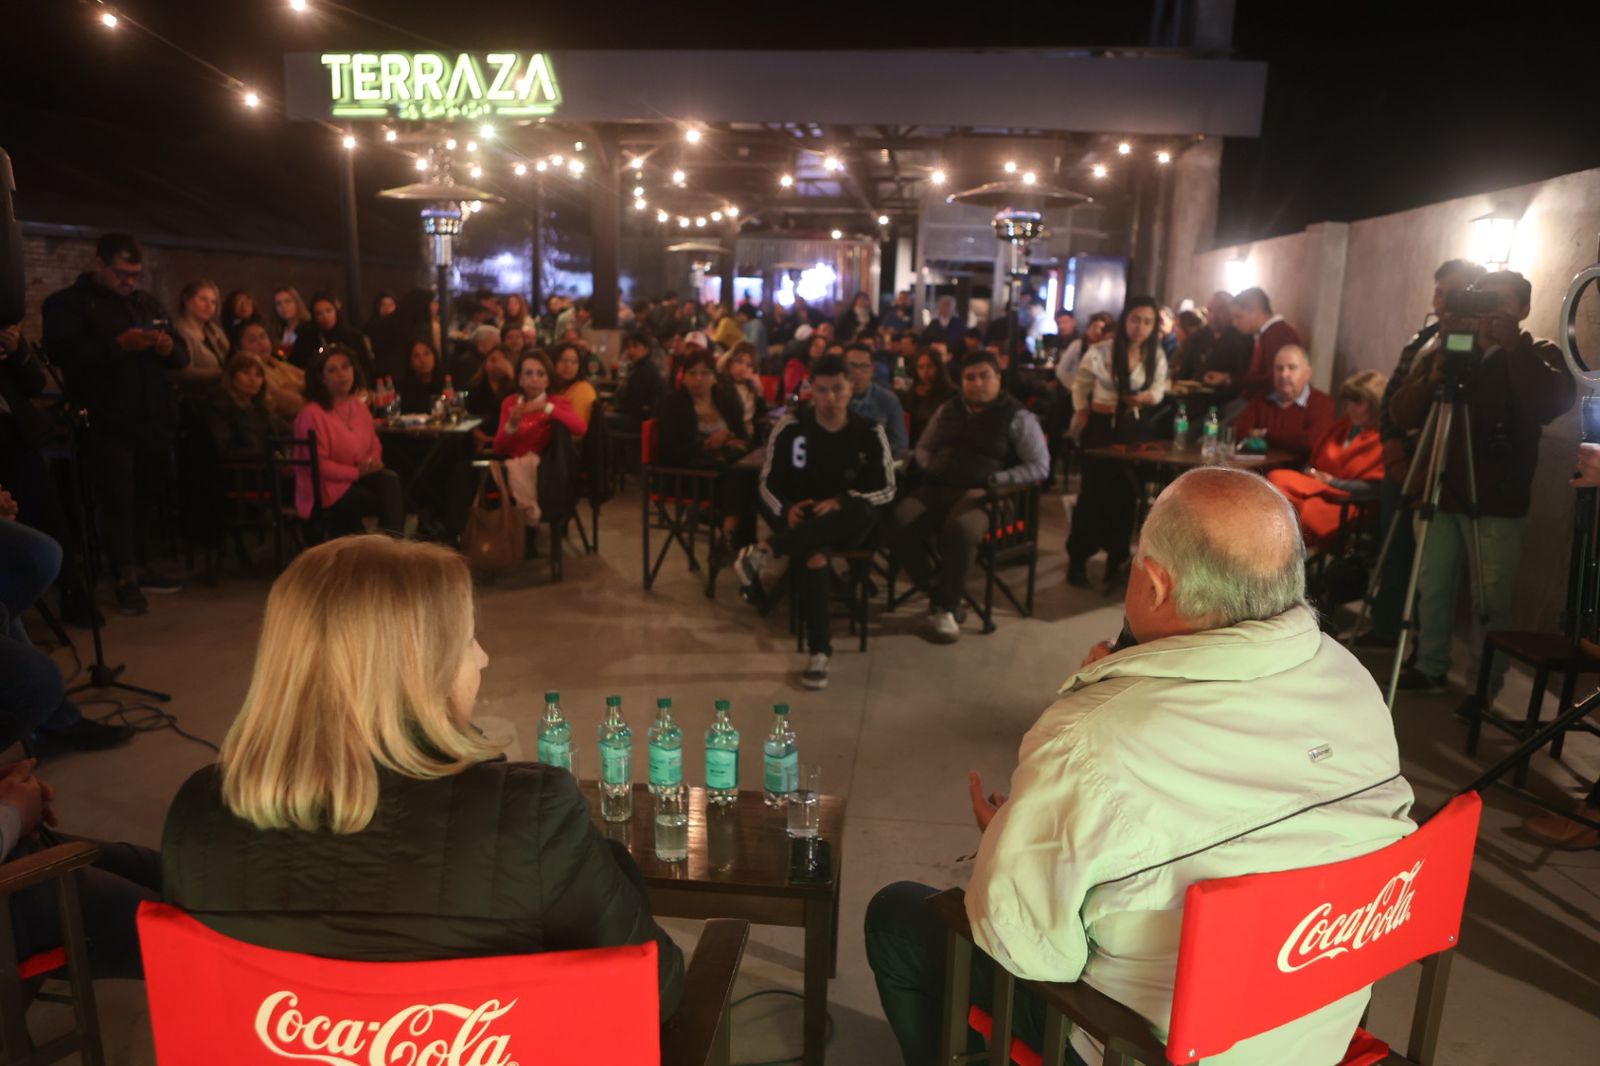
(115,343)
(827,472)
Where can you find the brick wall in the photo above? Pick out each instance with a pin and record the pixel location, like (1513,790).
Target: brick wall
(52,263)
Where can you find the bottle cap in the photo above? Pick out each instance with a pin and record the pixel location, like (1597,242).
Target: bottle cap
(613,701)
(780,708)
(722,705)
(552,697)
(664,704)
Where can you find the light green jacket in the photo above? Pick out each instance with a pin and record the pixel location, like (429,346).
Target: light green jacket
(1177,761)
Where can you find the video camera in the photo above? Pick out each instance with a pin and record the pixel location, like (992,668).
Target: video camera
(1459,345)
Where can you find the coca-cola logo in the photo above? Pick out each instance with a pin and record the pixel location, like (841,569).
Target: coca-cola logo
(1320,935)
(405,1038)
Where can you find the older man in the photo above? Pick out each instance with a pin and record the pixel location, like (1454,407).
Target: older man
(873,401)
(983,438)
(1228,736)
(1293,417)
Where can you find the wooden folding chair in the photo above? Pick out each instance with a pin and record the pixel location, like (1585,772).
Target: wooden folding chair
(20,979)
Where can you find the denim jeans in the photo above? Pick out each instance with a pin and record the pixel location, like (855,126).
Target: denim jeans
(32,697)
(905,948)
(1439,582)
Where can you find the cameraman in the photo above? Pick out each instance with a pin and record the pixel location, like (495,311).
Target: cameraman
(1514,386)
(1398,448)
(115,343)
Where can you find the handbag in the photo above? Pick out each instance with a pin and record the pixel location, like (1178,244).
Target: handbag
(493,539)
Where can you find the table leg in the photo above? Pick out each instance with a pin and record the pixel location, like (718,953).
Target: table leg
(833,949)
(819,946)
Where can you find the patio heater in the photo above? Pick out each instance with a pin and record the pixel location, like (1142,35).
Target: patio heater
(702,252)
(445,207)
(1018,222)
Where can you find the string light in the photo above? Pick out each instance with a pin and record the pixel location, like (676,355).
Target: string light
(1099,170)
(251,99)
(683,223)
(732,212)
(472,146)
(577,146)
(477,205)
(108,20)
(1163,158)
(1124,148)
(557,159)
(636,165)
(883,220)
(639,204)
(450,144)
(422,164)
(679,177)
(716,216)
(520,170)
(831,162)
(787,181)
(937,177)
(297,6)
(349,143)
(541,166)
(476,171)
(576,166)
(700,221)
(692,135)
(1011,166)
(836,234)
(638,190)
(661,216)
(486,131)
(389,135)
(1029,178)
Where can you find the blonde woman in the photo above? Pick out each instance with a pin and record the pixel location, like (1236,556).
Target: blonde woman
(1346,464)
(198,305)
(355,812)
(289,316)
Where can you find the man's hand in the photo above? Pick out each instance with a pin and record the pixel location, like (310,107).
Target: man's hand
(137,340)
(20,789)
(825,507)
(10,341)
(8,505)
(1216,377)
(1096,653)
(1588,472)
(983,809)
(163,342)
(797,513)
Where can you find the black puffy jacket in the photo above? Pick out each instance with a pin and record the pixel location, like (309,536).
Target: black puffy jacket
(500,859)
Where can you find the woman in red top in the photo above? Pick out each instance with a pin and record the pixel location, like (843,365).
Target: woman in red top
(526,420)
(1346,464)
(349,455)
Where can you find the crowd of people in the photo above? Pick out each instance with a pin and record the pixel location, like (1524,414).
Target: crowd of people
(826,433)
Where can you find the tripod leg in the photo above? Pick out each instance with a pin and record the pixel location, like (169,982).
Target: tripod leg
(1376,582)
(1430,506)
(1480,605)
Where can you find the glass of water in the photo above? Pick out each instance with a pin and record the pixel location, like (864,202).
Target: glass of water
(672,824)
(804,801)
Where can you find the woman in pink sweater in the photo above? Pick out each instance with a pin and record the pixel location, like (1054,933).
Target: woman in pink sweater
(349,456)
(526,420)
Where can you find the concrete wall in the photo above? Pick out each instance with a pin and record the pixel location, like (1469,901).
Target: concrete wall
(1384,285)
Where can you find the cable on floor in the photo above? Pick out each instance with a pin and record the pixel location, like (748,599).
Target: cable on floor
(828,1039)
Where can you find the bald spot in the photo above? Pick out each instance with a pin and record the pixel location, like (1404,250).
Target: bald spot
(1243,518)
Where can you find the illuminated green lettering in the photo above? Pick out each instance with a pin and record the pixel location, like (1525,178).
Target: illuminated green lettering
(338,63)
(505,66)
(432,85)
(364,76)
(427,68)
(466,81)
(396,68)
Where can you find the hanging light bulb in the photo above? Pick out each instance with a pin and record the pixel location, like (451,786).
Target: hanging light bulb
(1029,178)
(831,162)
(683,223)
(716,216)
(349,143)
(541,166)
(422,164)
(477,205)
(1011,166)
(937,177)
(297,6)
(576,166)
(787,181)
(1124,148)
(679,177)
(108,20)
(700,221)
(577,146)
(661,216)
(692,135)
(883,220)
(1163,157)
(486,131)
(450,144)
(472,146)
(836,234)
(251,100)
(639,204)
(476,171)
(389,135)
(638,190)
(1099,170)
(557,159)
(520,170)
(732,212)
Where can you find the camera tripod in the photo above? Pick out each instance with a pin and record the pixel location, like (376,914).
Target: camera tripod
(1432,458)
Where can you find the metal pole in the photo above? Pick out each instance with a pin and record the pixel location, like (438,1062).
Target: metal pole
(536,267)
(355,311)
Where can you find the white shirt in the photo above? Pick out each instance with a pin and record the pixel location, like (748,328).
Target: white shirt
(1299,401)
(1096,382)
(1268,324)
(1067,366)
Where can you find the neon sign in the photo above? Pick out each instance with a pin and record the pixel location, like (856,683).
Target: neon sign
(433,85)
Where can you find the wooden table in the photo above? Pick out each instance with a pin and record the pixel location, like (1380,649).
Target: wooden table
(1162,454)
(424,446)
(738,867)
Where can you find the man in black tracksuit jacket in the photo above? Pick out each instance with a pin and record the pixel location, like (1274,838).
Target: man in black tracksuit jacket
(827,472)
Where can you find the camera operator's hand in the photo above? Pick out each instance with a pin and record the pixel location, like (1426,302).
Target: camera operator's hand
(1588,472)
(139,340)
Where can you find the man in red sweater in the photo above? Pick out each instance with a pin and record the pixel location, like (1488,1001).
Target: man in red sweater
(1252,316)
(1294,416)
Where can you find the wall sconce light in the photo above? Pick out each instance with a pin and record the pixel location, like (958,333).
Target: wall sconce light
(1492,237)
(1238,275)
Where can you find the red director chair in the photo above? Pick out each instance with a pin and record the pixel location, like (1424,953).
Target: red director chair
(677,500)
(1257,952)
(214,999)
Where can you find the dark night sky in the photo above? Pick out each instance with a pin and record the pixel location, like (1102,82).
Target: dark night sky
(1370,108)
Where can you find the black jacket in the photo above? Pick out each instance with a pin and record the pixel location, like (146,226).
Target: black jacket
(806,462)
(127,393)
(641,392)
(499,859)
(22,377)
(310,340)
(239,433)
(678,440)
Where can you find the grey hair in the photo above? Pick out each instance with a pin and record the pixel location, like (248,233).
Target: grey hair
(1222,584)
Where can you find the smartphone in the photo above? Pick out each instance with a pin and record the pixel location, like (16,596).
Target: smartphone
(157,323)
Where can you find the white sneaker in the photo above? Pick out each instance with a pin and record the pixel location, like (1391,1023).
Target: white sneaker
(816,672)
(752,560)
(946,630)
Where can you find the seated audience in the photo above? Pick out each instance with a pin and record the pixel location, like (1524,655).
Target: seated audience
(353,784)
(289,316)
(1118,386)
(858,320)
(487,392)
(286,383)
(515,342)
(727,333)
(355,483)
(700,425)
(327,328)
(642,387)
(946,327)
(1346,464)
(527,416)
(873,401)
(1253,316)
(517,316)
(238,415)
(795,371)
(1178,758)
(929,391)
(238,308)
(566,364)
(421,382)
(1293,417)
(981,438)
(827,471)
(208,344)
(383,305)
(480,341)
(738,377)
(33,700)
(416,318)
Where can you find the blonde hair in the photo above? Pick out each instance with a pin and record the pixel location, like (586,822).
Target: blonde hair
(1365,386)
(360,648)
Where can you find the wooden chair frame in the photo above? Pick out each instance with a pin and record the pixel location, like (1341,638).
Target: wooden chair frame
(19,978)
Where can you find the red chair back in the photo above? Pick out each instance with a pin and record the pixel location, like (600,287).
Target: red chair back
(214,999)
(1259,951)
(770,386)
(647,442)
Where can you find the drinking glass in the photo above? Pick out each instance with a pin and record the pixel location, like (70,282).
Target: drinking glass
(804,801)
(672,824)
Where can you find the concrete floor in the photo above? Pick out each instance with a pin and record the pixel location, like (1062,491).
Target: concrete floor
(896,732)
